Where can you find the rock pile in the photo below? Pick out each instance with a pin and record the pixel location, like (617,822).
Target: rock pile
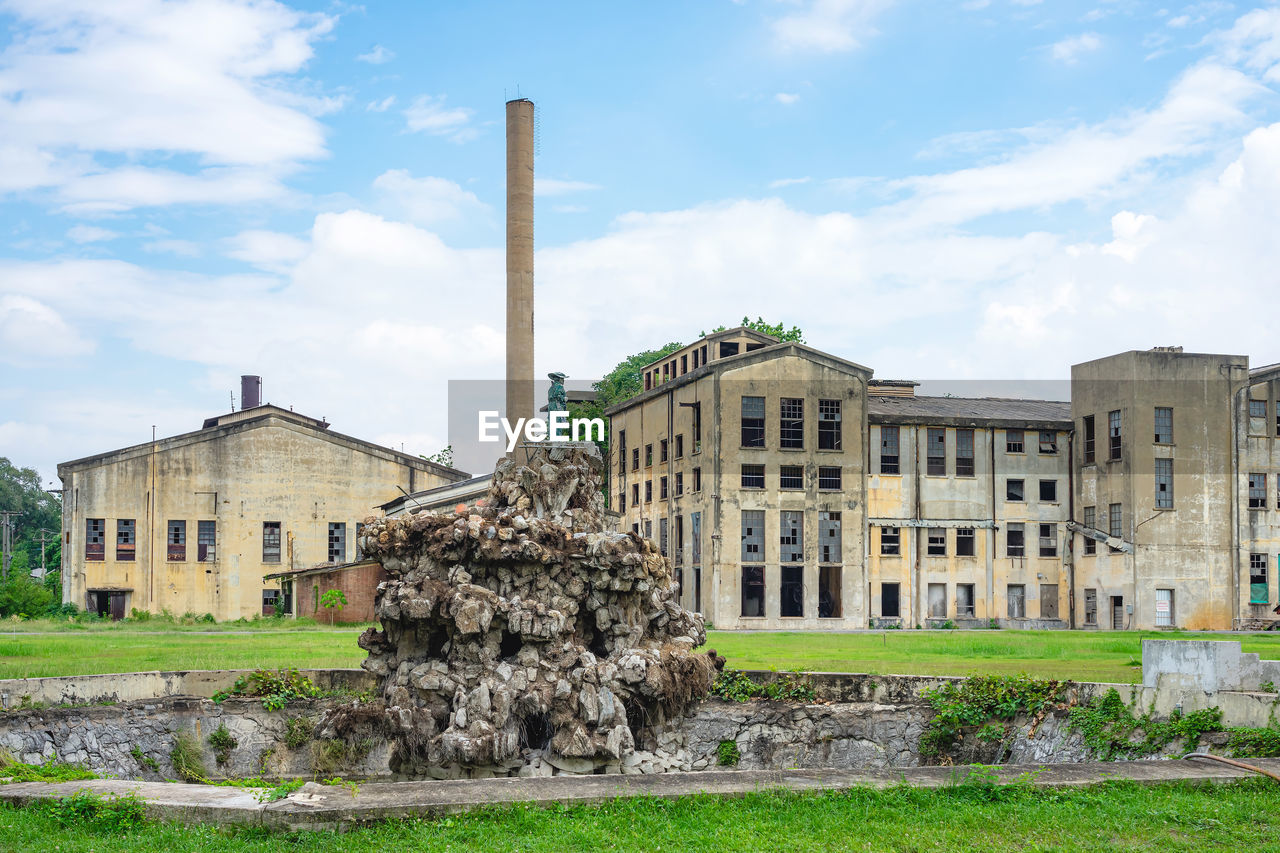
(519,637)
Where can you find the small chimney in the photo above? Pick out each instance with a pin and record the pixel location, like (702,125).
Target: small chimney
(250,392)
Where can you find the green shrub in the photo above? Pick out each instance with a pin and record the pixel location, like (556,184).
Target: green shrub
(297,732)
(736,686)
(222,742)
(105,813)
(12,770)
(1111,730)
(1254,743)
(277,689)
(186,759)
(983,700)
(727,754)
(144,760)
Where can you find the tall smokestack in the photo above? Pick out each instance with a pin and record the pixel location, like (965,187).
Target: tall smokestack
(250,392)
(520,259)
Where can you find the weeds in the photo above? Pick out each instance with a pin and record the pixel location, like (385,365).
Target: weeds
(736,686)
(104,813)
(186,759)
(727,754)
(222,742)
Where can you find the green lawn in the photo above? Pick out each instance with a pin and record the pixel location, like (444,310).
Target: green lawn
(1060,654)
(1114,816)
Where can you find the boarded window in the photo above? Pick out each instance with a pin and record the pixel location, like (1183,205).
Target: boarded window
(1113,434)
(829,434)
(889,540)
(1257,491)
(337,542)
(1015,441)
(964,453)
(177,540)
(695,538)
(1090,521)
(936,452)
(830,602)
(1048,540)
(964,542)
(1048,601)
(1087,430)
(829,479)
(1259,591)
(1048,442)
(791,591)
(753,476)
(1017,601)
(888,450)
(1015,490)
(791,477)
(792,537)
(1015,541)
(270,541)
(1091,607)
(889,600)
(1049,491)
(792,430)
(1164,483)
(1164,425)
(126,539)
(964,600)
(95,539)
(829,537)
(937,545)
(752,591)
(206,541)
(753,535)
(1164,608)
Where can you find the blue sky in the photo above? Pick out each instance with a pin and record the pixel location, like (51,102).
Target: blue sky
(314,192)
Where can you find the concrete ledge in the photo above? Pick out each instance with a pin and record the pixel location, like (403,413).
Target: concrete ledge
(321,807)
(140,686)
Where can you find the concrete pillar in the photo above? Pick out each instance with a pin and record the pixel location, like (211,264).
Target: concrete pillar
(520,259)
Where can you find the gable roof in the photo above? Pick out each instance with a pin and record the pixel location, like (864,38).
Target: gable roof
(969,411)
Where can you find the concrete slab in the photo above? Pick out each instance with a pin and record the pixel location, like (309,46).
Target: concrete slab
(323,807)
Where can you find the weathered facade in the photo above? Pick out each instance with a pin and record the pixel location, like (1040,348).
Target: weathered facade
(194,522)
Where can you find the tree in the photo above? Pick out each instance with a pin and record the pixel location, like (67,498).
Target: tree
(444,457)
(331,599)
(779,331)
(35,508)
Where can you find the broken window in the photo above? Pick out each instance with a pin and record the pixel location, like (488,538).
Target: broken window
(1091,521)
(1115,519)
(964,542)
(792,538)
(829,599)
(1048,541)
(1048,442)
(1164,425)
(622,452)
(622,501)
(1015,490)
(1091,607)
(964,453)
(703,350)
(1049,491)
(662,488)
(1015,542)
(829,437)
(206,541)
(753,421)
(728,348)
(95,539)
(270,601)
(890,541)
(684,364)
(936,458)
(648,491)
(697,427)
(964,600)
(753,476)
(635,494)
(1258,417)
(695,538)
(829,478)
(792,432)
(888,450)
(937,601)
(1257,491)
(791,591)
(752,591)
(791,477)
(1017,601)
(1113,433)
(680,542)
(1088,438)
(662,450)
(1259,591)
(177,540)
(635,459)
(126,539)
(1164,483)
(753,536)
(697,479)
(829,537)
(662,536)
(648,455)
(1014,441)
(680,446)
(648,380)
(337,542)
(270,541)
(937,542)
(679,484)
(889,600)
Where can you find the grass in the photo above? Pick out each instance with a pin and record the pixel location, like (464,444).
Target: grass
(166,624)
(1078,655)
(1113,816)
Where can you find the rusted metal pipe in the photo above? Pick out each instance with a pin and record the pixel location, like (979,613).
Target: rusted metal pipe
(1233,763)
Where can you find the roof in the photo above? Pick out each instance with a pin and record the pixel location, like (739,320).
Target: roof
(735,331)
(450,493)
(976,411)
(326,568)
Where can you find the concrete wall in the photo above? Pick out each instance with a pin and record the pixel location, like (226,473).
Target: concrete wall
(1259,528)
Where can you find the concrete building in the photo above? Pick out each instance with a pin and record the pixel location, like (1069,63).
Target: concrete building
(195,523)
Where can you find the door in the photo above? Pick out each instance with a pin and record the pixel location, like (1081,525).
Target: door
(1164,608)
(1117,613)
(117,605)
(1048,601)
(937,601)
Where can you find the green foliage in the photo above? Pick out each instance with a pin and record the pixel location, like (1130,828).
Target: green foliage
(443,457)
(983,701)
(23,597)
(144,760)
(186,759)
(983,784)
(779,331)
(1267,687)
(12,770)
(270,793)
(277,689)
(727,754)
(328,755)
(737,686)
(100,812)
(297,732)
(333,600)
(1254,743)
(222,742)
(1111,730)
(21,492)
(345,783)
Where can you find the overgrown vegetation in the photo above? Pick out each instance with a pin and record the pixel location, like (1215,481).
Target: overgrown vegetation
(1111,730)
(297,731)
(186,759)
(736,686)
(105,813)
(1254,743)
(988,704)
(277,689)
(144,760)
(12,770)
(222,742)
(728,754)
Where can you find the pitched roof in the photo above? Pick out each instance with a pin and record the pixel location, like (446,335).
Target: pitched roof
(962,411)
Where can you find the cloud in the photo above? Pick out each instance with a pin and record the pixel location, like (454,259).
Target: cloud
(377,56)
(185,248)
(1253,42)
(786,98)
(268,250)
(787,182)
(1069,49)
(554,186)
(428,114)
(381,106)
(32,333)
(90,234)
(829,26)
(426,201)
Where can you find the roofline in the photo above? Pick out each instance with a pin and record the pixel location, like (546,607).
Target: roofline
(425,494)
(1148,352)
(1264,372)
(970,421)
(336,567)
(764,336)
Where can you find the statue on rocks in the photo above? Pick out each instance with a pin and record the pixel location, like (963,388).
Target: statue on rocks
(520,638)
(557,399)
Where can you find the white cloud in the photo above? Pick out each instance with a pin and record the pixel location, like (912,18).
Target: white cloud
(569,208)
(426,201)
(90,234)
(428,114)
(975,5)
(1254,43)
(185,248)
(787,182)
(829,26)
(377,56)
(1179,22)
(383,105)
(555,186)
(268,250)
(1069,49)
(32,333)
(786,98)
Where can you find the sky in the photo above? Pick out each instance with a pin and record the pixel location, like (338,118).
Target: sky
(191,190)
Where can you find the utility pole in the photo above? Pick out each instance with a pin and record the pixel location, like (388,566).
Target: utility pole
(44,540)
(6,526)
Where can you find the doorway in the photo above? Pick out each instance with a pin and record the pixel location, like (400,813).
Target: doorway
(1117,612)
(108,604)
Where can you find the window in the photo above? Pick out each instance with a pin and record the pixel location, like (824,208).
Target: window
(1259,591)
(1048,541)
(680,446)
(937,546)
(635,494)
(1164,425)
(964,542)
(1091,607)
(1164,483)
(791,591)
(270,601)
(684,364)
(622,501)
(337,542)
(1017,601)
(1113,434)
(270,541)
(648,528)
(1048,442)
(1115,518)
(662,488)
(889,600)
(1090,521)
(792,538)
(1014,441)
(829,599)
(936,442)
(889,540)
(753,536)
(695,541)
(177,540)
(964,600)
(95,539)
(622,452)
(753,421)
(728,348)
(964,453)
(648,491)
(792,432)
(662,450)
(829,478)
(1049,491)
(829,437)
(1258,417)
(753,476)
(680,543)
(1164,608)
(679,484)
(697,424)
(648,455)
(1278,417)
(888,450)
(697,479)
(1257,491)
(635,459)
(829,537)
(662,537)
(1088,438)
(648,379)
(1015,542)
(1015,490)
(206,541)
(126,539)
(703,350)
(791,477)
(937,601)
(752,591)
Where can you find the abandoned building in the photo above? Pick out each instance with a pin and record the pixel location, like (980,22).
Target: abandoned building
(197,522)
(790,489)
